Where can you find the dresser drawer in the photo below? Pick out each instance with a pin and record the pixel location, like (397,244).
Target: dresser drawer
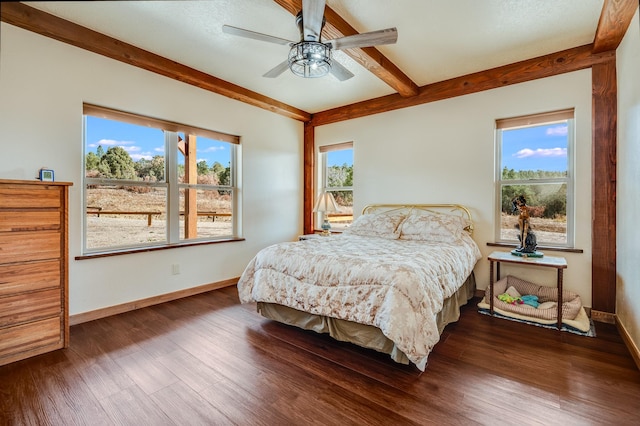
(34,301)
(30,196)
(29,337)
(34,220)
(18,278)
(29,306)
(28,246)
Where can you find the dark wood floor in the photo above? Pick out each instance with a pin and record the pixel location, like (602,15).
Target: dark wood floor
(208,360)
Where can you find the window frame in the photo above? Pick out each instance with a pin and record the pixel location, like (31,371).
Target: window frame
(535,120)
(171,132)
(323,177)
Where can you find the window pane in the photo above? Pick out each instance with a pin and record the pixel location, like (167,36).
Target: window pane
(340,175)
(547,211)
(125,215)
(344,216)
(340,168)
(123,150)
(212,160)
(534,162)
(117,150)
(535,152)
(210,213)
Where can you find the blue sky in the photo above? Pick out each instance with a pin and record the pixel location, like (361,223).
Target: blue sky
(528,148)
(535,148)
(145,142)
(340,157)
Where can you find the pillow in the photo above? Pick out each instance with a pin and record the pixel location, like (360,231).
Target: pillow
(511,291)
(441,228)
(548,305)
(376,225)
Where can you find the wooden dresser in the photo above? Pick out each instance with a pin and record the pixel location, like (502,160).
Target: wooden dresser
(34,302)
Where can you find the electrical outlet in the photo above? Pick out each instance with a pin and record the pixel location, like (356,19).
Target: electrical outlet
(175,268)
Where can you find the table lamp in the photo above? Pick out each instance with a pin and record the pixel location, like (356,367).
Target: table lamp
(326,204)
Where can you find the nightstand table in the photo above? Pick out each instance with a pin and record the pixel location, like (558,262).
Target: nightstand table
(308,237)
(560,263)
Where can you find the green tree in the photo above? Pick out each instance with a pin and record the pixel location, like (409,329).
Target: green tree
(100,151)
(91,161)
(150,170)
(203,169)
(224,177)
(117,164)
(143,168)
(509,192)
(217,168)
(341,176)
(555,203)
(508,174)
(157,167)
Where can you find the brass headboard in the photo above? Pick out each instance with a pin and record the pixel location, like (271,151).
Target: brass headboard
(451,209)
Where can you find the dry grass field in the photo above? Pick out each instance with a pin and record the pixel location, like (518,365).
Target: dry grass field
(153,199)
(546,230)
(109,230)
(113,230)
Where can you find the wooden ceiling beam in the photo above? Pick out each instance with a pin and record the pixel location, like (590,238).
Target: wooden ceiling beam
(614,21)
(48,25)
(369,57)
(565,61)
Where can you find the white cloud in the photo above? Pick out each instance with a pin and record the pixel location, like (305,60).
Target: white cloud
(111,142)
(137,157)
(541,153)
(128,146)
(561,130)
(214,149)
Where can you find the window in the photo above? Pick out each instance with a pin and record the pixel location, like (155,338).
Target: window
(151,182)
(535,159)
(336,176)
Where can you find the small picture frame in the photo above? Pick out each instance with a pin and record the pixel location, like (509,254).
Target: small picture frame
(46,175)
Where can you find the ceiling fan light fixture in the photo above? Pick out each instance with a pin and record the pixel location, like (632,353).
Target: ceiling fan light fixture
(310,59)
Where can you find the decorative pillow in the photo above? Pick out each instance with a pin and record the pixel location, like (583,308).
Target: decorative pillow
(376,225)
(433,227)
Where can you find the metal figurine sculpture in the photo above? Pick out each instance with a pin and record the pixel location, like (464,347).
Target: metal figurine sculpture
(527,238)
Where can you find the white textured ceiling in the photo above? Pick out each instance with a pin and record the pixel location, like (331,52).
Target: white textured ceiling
(437,39)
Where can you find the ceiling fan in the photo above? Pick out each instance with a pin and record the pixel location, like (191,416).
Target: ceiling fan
(310,57)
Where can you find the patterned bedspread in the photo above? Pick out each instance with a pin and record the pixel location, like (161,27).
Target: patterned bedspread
(398,286)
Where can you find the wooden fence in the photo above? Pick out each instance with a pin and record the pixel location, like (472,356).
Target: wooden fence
(98,211)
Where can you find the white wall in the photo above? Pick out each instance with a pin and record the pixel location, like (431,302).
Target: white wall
(628,190)
(43,84)
(443,152)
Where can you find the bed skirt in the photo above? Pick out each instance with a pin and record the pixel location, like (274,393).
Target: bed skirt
(366,336)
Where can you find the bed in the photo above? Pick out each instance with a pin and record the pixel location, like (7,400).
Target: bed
(390,282)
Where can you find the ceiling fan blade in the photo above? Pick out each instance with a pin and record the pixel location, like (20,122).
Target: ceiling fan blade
(312,17)
(277,70)
(228,29)
(373,38)
(339,71)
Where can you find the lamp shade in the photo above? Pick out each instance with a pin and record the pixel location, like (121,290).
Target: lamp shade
(326,203)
